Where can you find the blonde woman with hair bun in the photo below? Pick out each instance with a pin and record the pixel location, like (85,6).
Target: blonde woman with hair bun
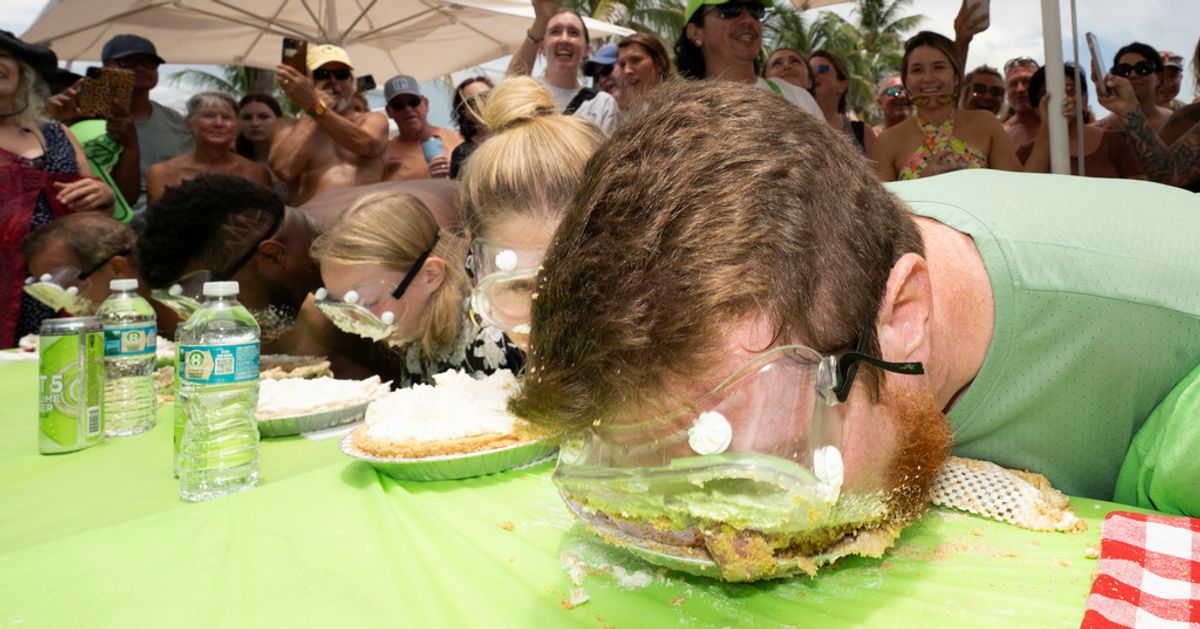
(514,191)
(392,277)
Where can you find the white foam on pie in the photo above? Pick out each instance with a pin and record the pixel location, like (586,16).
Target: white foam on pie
(293,397)
(456,406)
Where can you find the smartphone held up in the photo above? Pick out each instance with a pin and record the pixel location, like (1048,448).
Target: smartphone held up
(295,54)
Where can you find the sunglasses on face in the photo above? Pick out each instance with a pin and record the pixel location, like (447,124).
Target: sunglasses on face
(979,89)
(399,102)
(823,68)
(1142,68)
(1019,61)
(895,91)
(322,74)
(733,10)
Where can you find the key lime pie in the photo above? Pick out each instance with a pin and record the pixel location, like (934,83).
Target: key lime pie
(296,405)
(458,415)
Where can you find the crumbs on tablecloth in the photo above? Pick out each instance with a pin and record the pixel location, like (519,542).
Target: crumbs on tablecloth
(574,599)
(1091,552)
(886,565)
(678,600)
(977,532)
(506,525)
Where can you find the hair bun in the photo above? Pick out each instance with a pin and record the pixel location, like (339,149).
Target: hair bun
(514,101)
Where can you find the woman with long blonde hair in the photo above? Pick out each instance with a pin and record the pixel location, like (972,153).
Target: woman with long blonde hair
(391,276)
(514,191)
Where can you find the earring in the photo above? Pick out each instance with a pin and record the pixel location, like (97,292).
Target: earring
(697,41)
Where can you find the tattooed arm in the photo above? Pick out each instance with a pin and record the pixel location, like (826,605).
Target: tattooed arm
(1178,165)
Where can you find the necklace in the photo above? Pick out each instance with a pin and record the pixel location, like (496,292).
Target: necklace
(10,114)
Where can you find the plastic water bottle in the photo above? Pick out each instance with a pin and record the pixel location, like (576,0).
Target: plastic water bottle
(130,334)
(218,387)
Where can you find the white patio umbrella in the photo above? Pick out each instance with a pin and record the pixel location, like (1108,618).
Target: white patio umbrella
(423,38)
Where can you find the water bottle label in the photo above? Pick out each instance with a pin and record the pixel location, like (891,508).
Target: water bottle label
(219,364)
(130,340)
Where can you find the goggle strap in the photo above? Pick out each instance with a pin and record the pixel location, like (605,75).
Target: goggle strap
(416,267)
(847,367)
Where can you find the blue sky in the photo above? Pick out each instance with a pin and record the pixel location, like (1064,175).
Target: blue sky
(1016,29)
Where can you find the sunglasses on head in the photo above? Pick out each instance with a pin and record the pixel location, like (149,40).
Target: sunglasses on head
(732,10)
(979,89)
(1143,68)
(1019,61)
(895,91)
(321,74)
(400,102)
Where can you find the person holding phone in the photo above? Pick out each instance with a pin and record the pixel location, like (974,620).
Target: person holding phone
(420,150)
(1142,66)
(329,146)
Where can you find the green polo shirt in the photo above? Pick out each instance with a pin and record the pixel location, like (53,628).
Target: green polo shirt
(1097,291)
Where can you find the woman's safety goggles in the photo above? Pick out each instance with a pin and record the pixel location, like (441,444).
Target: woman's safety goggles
(186,295)
(504,280)
(61,289)
(353,311)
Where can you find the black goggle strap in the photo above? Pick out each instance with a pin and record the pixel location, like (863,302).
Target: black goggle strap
(416,268)
(847,368)
(100,265)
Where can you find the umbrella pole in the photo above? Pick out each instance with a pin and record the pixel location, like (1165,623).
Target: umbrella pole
(1060,160)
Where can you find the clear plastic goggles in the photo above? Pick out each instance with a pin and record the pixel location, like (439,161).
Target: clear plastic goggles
(61,289)
(504,284)
(185,296)
(758,458)
(352,312)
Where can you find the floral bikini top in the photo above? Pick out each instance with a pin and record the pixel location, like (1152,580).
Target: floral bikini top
(941,152)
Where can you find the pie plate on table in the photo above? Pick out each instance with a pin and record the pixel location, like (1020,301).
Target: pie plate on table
(456,428)
(295,405)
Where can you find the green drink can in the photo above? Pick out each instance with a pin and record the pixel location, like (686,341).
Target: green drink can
(70,384)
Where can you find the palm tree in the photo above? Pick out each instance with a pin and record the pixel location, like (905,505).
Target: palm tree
(235,80)
(872,44)
(660,17)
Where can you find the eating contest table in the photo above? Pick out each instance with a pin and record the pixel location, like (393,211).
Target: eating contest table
(100,538)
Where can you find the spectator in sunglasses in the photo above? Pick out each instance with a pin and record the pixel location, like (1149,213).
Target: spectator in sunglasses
(940,138)
(329,146)
(1174,164)
(983,88)
(893,103)
(561,35)
(722,40)
(600,70)
(464,109)
(1142,66)
(392,276)
(788,64)
(644,64)
(160,131)
(414,152)
(830,85)
(212,119)
(1023,121)
(1106,152)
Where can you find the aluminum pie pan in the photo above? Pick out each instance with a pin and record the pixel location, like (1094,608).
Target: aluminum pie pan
(289,426)
(454,467)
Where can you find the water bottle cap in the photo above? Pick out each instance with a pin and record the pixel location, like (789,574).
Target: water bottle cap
(123,284)
(220,289)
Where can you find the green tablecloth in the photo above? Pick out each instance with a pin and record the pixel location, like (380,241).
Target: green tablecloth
(100,538)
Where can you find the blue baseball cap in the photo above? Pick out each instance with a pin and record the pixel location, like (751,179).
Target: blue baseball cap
(606,56)
(126,46)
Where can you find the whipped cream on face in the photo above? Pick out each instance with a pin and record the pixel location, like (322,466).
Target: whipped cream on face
(456,406)
(293,397)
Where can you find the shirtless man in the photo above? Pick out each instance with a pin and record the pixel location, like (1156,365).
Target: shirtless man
(1023,126)
(330,146)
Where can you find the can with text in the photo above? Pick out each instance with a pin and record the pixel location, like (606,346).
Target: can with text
(70,384)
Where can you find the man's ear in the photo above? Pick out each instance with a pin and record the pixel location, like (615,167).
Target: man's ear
(274,253)
(120,266)
(902,323)
(432,273)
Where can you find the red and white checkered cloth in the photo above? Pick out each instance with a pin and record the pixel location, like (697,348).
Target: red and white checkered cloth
(1149,573)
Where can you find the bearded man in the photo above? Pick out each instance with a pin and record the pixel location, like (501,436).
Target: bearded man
(1035,319)
(330,145)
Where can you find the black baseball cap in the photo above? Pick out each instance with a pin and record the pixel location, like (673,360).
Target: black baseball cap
(40,58)
(128,45)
